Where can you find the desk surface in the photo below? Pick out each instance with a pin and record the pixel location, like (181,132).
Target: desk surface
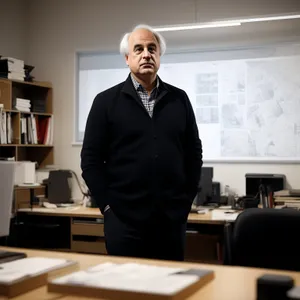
(230,283)
(87,212)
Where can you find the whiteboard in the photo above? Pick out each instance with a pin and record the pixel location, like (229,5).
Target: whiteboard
(246,103)
(245,109)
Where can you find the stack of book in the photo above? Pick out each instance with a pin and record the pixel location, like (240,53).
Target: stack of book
(288,198)
(35,130)
(39,106)
(12,68)
(22,104)
(6,128)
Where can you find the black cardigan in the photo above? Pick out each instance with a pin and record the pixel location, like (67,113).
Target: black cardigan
(140,165)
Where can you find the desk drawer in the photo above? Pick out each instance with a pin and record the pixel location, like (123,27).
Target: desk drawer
(201,248)
(87,229)
(89,247)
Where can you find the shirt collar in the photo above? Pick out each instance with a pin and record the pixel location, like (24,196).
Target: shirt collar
(138,86)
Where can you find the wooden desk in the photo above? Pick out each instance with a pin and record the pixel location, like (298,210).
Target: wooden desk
(87,212)
(230,283)
(81,230)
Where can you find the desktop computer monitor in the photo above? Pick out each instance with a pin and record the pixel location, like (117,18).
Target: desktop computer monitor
(205,188)
(7,179)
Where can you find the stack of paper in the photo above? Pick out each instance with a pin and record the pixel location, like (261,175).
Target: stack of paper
(224,215)
(132,281)
(28,267)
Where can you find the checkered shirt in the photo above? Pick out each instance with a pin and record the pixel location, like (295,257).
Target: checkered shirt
(148,100)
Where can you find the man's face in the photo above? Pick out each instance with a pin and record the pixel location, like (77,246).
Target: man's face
(143,58)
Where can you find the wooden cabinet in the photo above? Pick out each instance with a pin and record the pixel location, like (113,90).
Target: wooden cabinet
(203,248)
(83,230)
(87,235)
(22,196)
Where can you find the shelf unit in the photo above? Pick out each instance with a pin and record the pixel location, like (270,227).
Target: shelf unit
(41,95)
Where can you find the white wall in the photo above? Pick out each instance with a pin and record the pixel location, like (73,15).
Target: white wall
(13,28)
(59,28)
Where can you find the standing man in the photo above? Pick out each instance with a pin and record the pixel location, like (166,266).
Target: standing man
(142,156)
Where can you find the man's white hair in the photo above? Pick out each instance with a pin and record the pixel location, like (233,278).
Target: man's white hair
(124,48)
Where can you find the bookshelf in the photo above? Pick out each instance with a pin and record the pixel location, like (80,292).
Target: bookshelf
(18,147)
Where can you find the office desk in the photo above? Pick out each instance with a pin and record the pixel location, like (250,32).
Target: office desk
(87,212)
(80,229)
(230,283)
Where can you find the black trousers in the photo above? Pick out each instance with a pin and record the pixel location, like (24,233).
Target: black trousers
(157,240)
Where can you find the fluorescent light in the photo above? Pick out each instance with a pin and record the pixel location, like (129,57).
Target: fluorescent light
(270,18)
(227,23)
(197,26)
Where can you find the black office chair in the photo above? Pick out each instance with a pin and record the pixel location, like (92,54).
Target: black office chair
(264,238)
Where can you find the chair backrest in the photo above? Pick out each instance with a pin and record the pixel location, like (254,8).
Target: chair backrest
(267,238)
(7,178)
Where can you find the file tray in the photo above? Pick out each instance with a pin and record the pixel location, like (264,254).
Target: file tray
(132,281)
(20,276)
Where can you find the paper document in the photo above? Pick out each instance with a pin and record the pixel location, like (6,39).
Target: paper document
(7,276)
(44,209)
(226,215)
(225,207)
(131,277)
(29,267)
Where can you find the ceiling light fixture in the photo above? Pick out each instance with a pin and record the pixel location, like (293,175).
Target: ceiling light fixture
(197,26)
(270,18)
(228,23)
